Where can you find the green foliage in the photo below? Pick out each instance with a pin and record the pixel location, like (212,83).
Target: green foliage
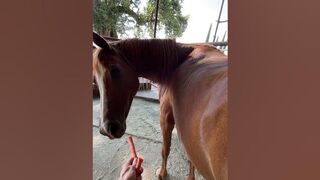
(113,17)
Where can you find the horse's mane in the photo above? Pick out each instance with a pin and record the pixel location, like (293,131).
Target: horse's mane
(163,53)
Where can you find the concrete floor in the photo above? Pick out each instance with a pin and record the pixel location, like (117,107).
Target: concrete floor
(143,125)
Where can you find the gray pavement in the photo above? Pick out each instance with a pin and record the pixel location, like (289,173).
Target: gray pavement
(143,125)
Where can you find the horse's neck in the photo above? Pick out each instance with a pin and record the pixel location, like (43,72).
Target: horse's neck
(154,59)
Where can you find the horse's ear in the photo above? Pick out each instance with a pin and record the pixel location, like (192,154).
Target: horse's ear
(99,41)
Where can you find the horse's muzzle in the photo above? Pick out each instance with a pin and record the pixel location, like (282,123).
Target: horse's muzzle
(112,129)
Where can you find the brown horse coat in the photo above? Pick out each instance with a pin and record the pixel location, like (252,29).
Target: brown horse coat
(196,101)
(193,96)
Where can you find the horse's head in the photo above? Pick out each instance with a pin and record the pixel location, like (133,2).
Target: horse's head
(117,82)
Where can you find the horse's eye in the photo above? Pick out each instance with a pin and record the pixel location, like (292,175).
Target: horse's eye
(114,71)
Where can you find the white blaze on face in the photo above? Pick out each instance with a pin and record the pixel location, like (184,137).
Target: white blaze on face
(100,79)
(103,99)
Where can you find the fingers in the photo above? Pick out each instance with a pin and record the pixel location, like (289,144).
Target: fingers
(134,162)
(130,161)
(132,172)
(129,173)
(126,166)
(129,168)
(139,171)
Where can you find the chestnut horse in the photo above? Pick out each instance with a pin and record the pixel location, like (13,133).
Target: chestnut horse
(193,96)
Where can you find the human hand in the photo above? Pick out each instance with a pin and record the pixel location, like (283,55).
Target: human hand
(129,172)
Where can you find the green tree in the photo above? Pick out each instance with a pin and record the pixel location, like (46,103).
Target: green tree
(115,17)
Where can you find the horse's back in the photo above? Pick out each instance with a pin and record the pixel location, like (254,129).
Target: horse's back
(199,98)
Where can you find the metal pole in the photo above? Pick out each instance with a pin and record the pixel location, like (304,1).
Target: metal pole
(208,36)
(215,33)
(156,20)
(224,36)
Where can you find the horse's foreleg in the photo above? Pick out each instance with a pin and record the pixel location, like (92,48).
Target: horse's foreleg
(167,125)
(191,171)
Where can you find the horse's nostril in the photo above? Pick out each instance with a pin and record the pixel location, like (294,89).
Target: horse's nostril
(113,128)
(102,132)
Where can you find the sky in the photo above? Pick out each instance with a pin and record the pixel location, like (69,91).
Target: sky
(201,14)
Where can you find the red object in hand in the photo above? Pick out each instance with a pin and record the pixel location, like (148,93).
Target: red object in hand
(132,148)
(139,162)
